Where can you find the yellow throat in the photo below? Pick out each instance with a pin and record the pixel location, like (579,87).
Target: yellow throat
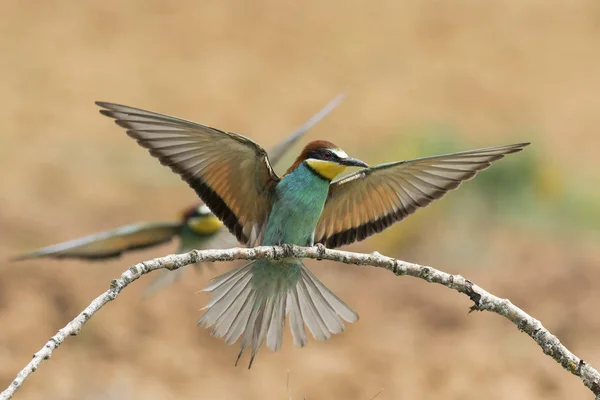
(326,169)
(205,225)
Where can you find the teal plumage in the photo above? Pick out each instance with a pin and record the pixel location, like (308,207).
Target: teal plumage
(253,300)
(233,176)
(299,200)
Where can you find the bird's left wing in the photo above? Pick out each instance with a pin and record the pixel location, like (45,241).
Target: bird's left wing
(229,172)
(370,200)
(110,244)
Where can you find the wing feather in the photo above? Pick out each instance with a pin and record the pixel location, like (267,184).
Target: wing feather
(110,244)
(229,172)
(370,200)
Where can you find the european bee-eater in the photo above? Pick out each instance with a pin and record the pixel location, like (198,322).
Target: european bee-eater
(198,228)
(195,221)
(234,177)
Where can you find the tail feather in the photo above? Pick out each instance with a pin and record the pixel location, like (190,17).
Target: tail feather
(225,296)
(226,277)
(224,324)
(328,315)
(311,315)
(252,302)
(296,321)
(263,323)
(335,302)
(275,334)
(241,319)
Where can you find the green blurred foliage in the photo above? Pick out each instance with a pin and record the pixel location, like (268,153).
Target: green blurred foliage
(526,188)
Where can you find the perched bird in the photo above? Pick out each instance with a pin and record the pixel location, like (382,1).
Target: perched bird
(197,228)
(234,177)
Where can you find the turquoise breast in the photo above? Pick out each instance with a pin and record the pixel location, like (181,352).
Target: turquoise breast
(297,206)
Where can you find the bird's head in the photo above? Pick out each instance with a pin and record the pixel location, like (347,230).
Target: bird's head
(201,220)
(326,159)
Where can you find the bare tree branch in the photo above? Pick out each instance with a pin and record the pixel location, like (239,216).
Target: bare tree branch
(484,301)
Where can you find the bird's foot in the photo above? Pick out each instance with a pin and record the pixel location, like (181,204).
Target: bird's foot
(288,250)
(320,250)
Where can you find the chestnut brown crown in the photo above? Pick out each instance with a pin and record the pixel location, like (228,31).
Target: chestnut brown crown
(325,151)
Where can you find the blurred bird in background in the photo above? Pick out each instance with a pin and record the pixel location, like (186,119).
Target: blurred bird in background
(197,228)
(234,177)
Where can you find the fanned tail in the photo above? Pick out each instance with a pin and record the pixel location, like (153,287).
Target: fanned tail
(252,302)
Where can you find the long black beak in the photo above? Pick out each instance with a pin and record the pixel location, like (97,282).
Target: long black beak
(354,162)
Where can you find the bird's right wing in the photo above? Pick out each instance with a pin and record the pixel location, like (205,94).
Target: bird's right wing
(110,244)
(277,152)
(229,172)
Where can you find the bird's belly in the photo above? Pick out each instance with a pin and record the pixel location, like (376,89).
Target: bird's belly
(299,201)
(291,227)
(294,222)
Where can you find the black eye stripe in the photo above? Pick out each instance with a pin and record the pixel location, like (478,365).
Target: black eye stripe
(322,154)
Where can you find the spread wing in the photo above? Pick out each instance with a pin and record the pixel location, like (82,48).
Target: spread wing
(277,152)
(370,200)
(229,172)
(110,244)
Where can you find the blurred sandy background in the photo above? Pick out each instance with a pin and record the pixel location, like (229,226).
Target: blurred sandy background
(422,77)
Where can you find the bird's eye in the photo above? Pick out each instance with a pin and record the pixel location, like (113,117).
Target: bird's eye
(328,155)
